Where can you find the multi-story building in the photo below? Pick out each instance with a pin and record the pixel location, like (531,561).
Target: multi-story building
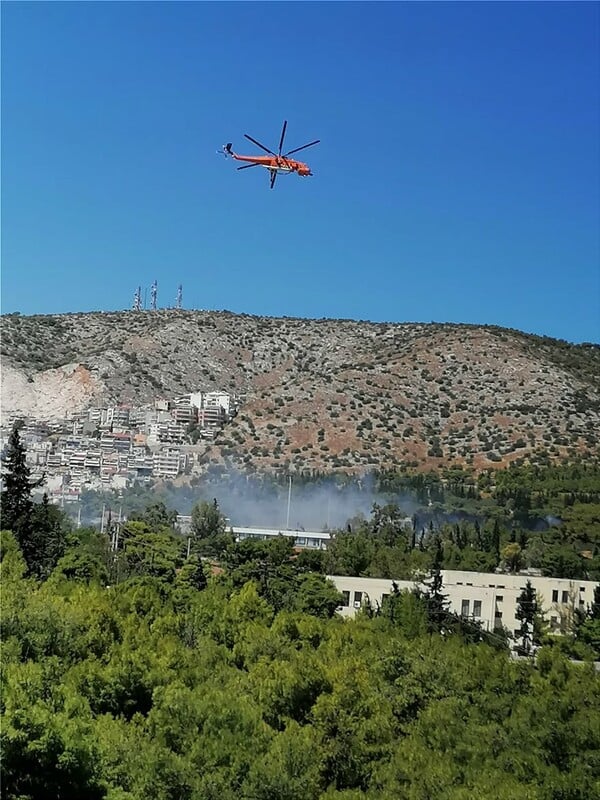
(490,598)
(210,400)
(166,432)
(95,415)
(168,463)
(183,415)
(120,442)
(211,417)
(115,418)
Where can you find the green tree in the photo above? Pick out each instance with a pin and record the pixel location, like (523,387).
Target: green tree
(587,626)
(143,552)
(16,505)
(156,516)
(561,561)
(192,574)
(512,556)
(349,554)
(207,520)
(49,529)
(527,611)
(436,601)
(316,595)
(406,610)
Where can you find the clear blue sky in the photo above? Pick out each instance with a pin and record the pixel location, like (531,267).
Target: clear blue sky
(458,176)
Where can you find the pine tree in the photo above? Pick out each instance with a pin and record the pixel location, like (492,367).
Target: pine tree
(16,501)
(16,505)
(49,537)
(527,609)
(496,540)
(437,602)
(39,529)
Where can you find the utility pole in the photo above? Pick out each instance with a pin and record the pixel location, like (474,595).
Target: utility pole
(287,523)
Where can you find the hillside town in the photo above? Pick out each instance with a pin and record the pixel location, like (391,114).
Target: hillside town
(111,447)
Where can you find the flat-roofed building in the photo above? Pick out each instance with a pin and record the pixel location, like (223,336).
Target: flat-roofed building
(490,598)
(301,538)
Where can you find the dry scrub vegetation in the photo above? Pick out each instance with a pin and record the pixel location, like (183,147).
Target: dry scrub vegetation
(325,395)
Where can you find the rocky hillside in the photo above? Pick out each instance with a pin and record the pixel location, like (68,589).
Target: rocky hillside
(320,394)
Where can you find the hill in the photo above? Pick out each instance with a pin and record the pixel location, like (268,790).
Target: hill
(320,395)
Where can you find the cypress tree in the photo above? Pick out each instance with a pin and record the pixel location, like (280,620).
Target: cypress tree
(527,609)
(437,602)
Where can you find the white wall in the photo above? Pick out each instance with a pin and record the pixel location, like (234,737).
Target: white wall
(497,594)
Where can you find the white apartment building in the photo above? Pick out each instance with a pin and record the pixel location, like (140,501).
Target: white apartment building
(166,432)
(115,417)
(168,463)
(490,598)
(210,400)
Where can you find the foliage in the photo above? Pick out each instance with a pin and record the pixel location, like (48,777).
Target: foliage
(527,613)
(41,529)
(249,688)
(156,516)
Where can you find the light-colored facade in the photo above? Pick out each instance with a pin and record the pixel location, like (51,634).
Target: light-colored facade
(491,598)
(302,539)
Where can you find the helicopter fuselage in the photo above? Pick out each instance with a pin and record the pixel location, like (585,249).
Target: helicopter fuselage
(278,164)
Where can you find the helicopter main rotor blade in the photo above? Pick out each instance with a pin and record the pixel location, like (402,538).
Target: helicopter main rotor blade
(258,144)
(304,146)
(247,166)
(282,135)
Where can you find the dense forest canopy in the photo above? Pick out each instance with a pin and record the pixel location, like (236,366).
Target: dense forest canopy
(153,687)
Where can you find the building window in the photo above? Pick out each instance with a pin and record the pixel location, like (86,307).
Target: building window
(357,598)
(476,608)
(499,598)
(555,595)
(582,588)
(565,597)
(346,600)
(498,615)
(464,609)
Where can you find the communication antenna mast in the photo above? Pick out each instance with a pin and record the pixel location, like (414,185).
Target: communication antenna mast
(137,299)
(153,292)
(179,296)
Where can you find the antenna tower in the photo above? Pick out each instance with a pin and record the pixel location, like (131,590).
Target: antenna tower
(153,292)
(179,296)
(137,299)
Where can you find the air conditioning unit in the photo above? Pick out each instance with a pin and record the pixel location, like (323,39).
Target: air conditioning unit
(357,604)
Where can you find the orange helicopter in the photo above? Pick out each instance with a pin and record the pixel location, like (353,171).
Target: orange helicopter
(276,163)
